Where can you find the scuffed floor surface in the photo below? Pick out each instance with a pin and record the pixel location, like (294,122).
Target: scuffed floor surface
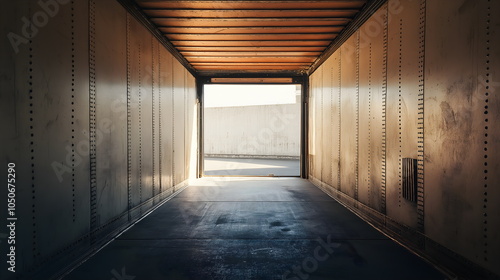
(253,228)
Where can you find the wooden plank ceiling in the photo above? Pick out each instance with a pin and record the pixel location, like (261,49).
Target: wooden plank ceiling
(250,35)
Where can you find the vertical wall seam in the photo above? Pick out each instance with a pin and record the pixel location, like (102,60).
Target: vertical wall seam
(400,118)
(92,121)
(420,128)
(173,126)
(322,138)
(73,155)
(339,182)
(486,130)
(331,123)
(356,187)
(139,101)
(384,116)
(369,182)
(153,122)
(160,147)
(35,251)
(184,72)
(129,121)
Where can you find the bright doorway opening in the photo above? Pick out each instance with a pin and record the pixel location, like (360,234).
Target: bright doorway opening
(251,130)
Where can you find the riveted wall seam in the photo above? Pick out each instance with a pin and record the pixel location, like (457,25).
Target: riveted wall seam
(384,115)
(92,120)
(339,182)
(129,122)
(139,101)
(356,187)
(486,130)
(153,115)
(420,129)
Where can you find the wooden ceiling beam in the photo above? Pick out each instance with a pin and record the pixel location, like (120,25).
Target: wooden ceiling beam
(244,43)
(247,48)
(248,22)
(251,37)
(250,63)
(248,67)
(325,13)
(258,53)
(278,5)
(247,30)
(251,59)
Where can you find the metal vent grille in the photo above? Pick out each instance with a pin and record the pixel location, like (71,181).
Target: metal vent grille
(410,179)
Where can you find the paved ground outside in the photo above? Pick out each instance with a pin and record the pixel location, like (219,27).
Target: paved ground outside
(251,167)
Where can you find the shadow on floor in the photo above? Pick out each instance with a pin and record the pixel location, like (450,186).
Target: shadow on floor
(253,228)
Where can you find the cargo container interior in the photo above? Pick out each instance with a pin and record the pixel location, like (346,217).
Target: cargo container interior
(102,120)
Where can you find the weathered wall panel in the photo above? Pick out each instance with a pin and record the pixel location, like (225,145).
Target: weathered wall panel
(155,90)
(326,128)
(166,116)
(335,118)
(179,108)
(371,81)
(349,117)
(426,84)
(461,128)
(136,71)
(110,130)
(55,153)
(402,106)
(82,116)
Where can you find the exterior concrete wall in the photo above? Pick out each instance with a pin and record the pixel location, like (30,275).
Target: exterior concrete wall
(417,81)
(99,120)
(261,130)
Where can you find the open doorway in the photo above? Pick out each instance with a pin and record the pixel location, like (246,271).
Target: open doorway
(251,130)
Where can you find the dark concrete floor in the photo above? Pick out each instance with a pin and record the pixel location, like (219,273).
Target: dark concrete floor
(253,228)
(251,167)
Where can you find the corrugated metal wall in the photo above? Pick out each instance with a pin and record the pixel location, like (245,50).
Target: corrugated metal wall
(99,119)
(417,81)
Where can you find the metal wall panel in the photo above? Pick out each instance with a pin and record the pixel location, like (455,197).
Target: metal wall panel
(326,128)
(15,137)
(453,128)
(335,117)
(110,126)
(374,35)
(402,111)
(155,79)
(166,120)
(371,79)
(490,53)
(73,120)
(56,152)
(461,128)
(365,135)
(146,121)
(135,91)
(349,117)
(179,122)
(50,126)
(80,104)
(141,71)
